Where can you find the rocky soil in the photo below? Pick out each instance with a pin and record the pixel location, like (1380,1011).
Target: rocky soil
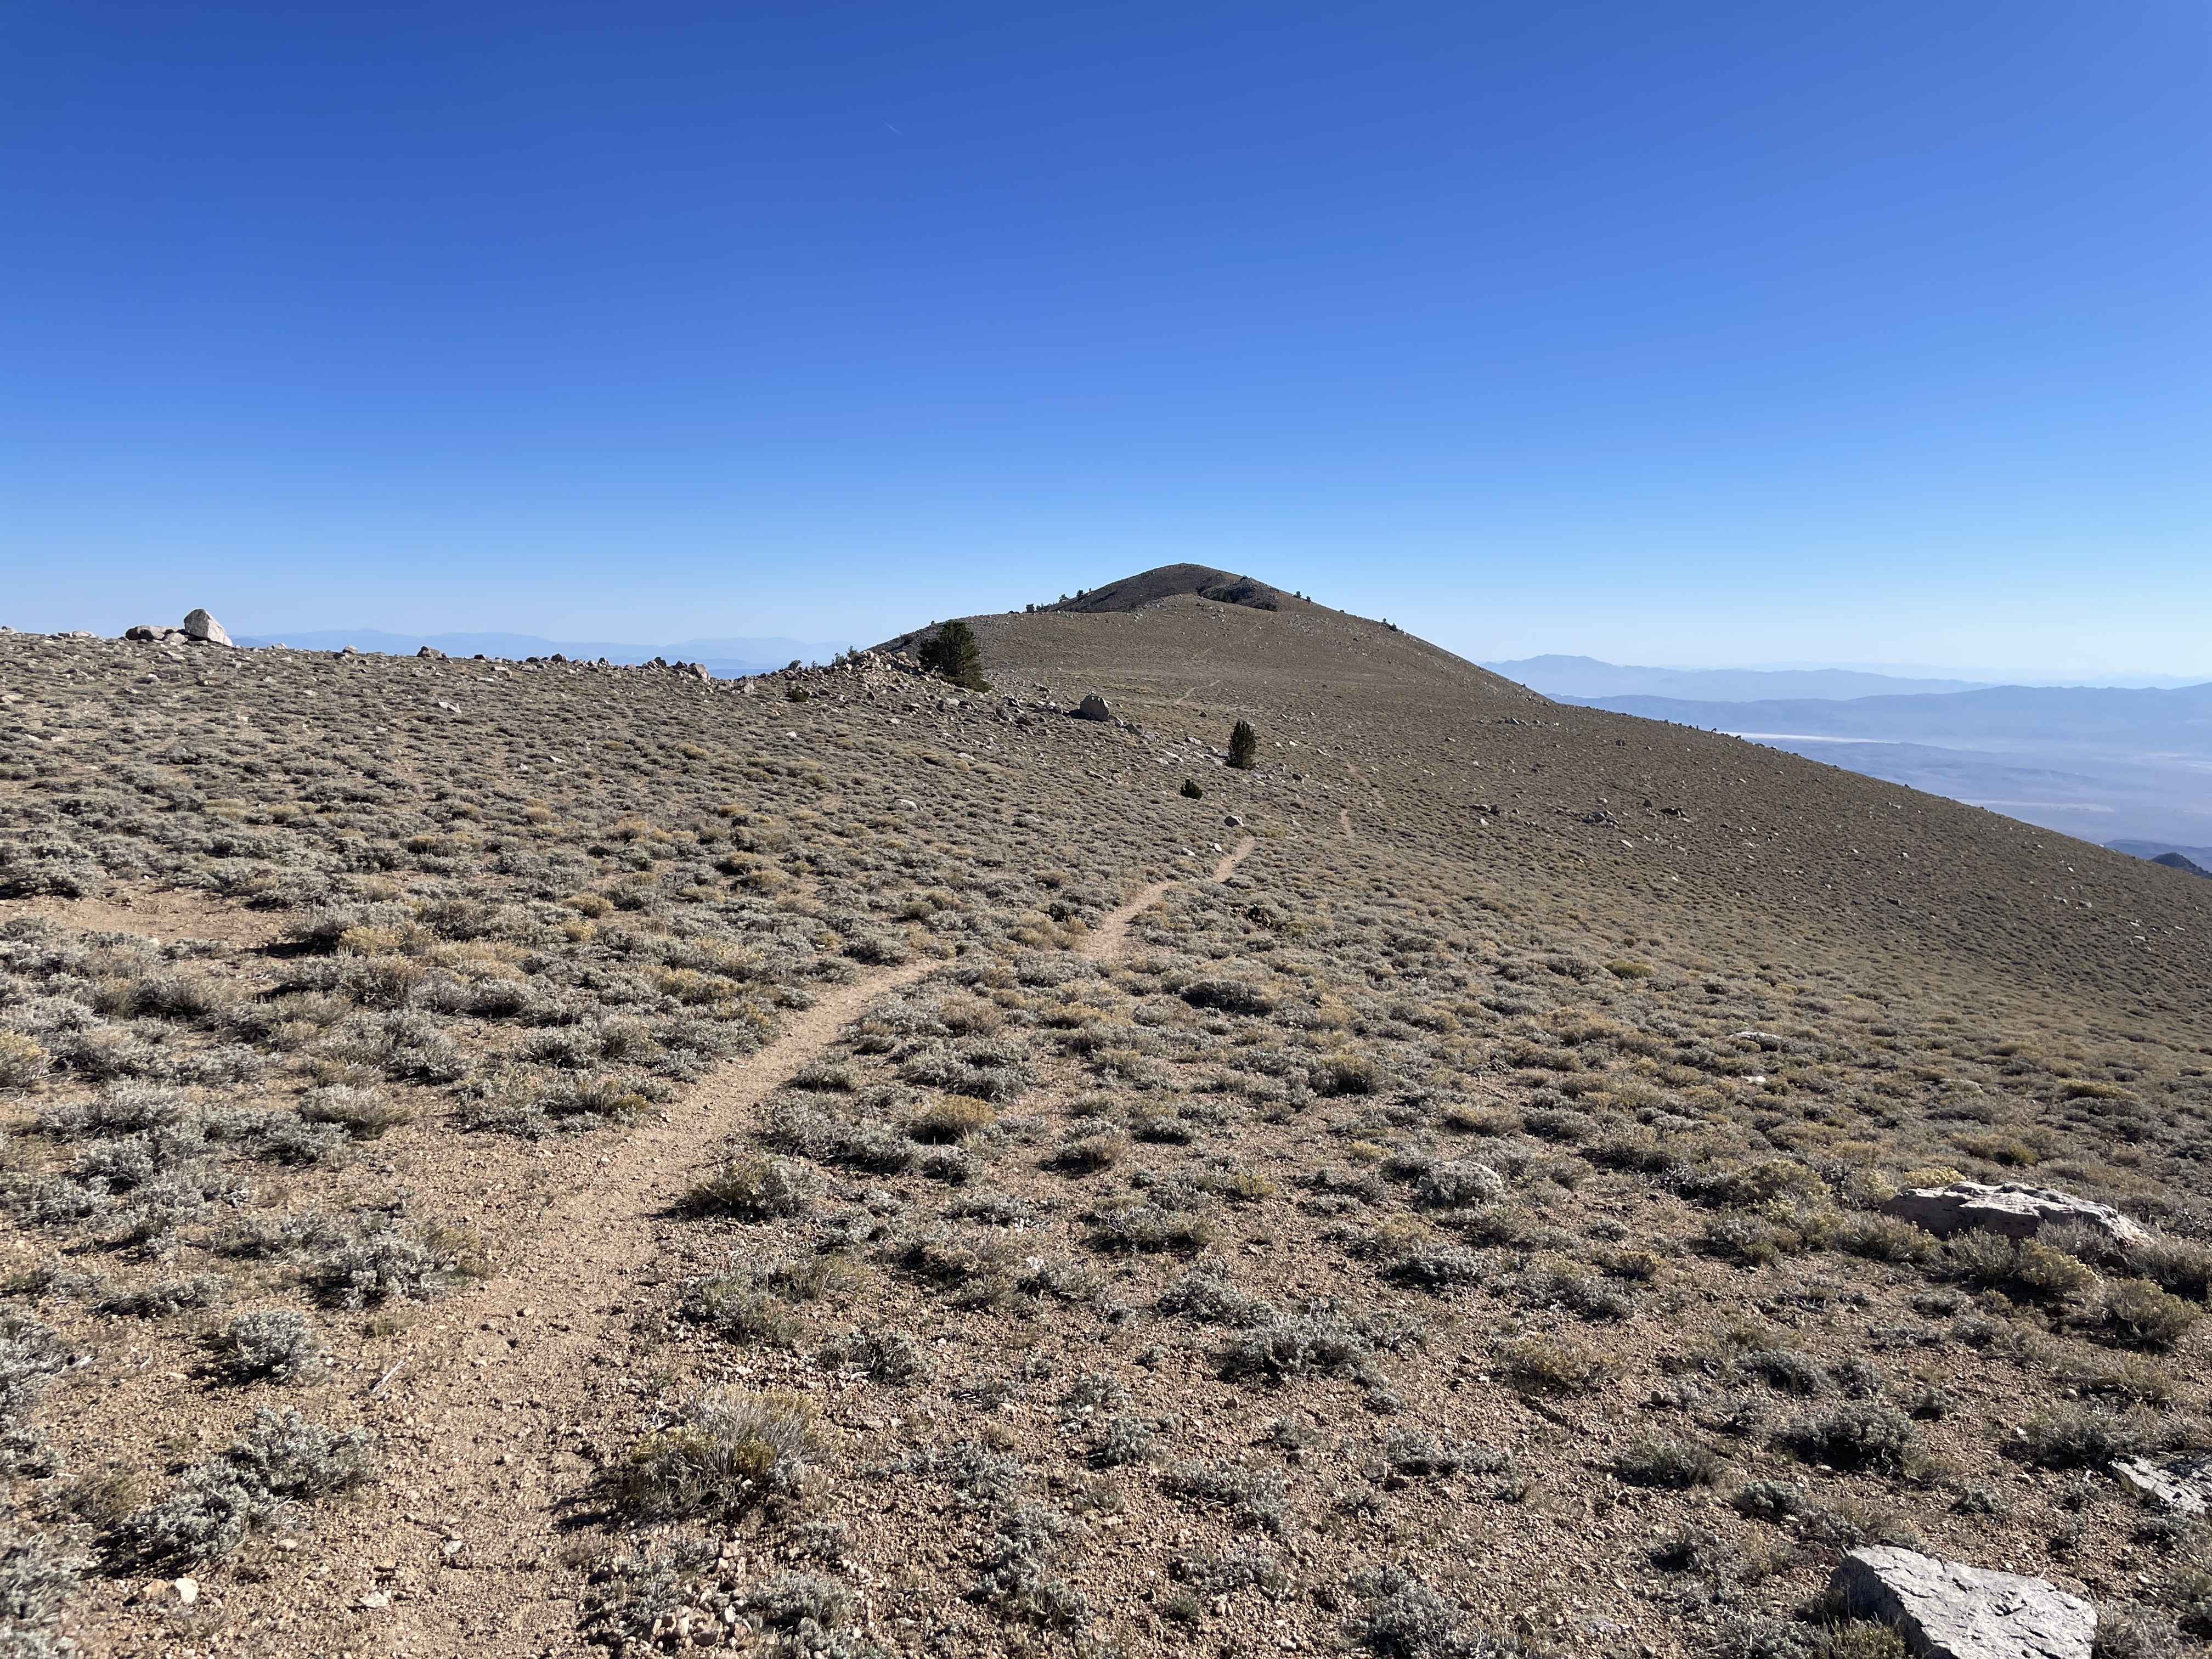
(509,1157)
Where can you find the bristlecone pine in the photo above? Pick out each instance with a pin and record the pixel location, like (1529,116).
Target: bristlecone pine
(860,1173)
(1243,745)
(952,653)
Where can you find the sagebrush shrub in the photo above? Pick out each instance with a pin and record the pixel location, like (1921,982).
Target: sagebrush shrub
(1657,1460)
(1347,1074)
(1539,1364)
(1205,1294)
(2139,1311)
(739,1310)
(1018,1581)
(1769,1500)
(1885,1238)
(753,1189)
(1786,1368)
(889,1356)
(725,1449)
(365,1114)
(1405,1618)
(276,1343)
(1127,1440)
(278,1460)
(404,1262)
(1253,1492)
(953,1117)
(1459,1183)
(1856,1437)
(1411,1453)
(23,1062)
(37,1574)
(166,1297)
(2069,1435)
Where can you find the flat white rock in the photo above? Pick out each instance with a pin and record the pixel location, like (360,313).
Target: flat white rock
(1948,1610)
(2182,1486)
(2014,1209)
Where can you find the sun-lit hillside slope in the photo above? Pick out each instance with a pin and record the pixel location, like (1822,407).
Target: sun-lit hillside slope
(509,1157)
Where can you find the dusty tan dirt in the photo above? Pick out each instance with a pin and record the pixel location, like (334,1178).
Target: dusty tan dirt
(158,913)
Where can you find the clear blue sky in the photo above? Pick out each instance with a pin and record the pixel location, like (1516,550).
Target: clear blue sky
(1692,332)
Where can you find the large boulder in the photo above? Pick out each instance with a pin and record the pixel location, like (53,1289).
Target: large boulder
(2012,1209)
(1948,1610)
(1093,707)
(2181,1487)
(201,626)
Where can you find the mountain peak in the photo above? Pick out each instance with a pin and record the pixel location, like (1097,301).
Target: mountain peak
(1167,581)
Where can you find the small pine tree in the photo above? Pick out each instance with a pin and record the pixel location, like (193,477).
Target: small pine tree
(1243,745)
(952,652)
(1191,791)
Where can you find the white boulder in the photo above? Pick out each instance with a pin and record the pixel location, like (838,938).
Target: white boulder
(2016,1210)
(1948,1610)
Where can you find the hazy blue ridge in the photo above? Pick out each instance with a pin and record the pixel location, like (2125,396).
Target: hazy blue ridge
(2097,762)
(1572,678)
(2199,856)
(1584,678)
(2115,720)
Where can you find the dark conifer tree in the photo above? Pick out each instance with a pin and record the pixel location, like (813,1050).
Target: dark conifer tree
(1243,745)
(952,652)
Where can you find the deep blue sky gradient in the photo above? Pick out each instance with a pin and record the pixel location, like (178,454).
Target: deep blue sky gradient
(1699,332)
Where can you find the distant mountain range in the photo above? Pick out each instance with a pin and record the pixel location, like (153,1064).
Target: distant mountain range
(726,657)
(2096,720)
(2199,859)
(1581,680)
(2129,768)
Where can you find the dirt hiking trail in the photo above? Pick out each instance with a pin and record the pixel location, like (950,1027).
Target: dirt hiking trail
(1110,937)
(478,1424)
(472,1443)
(475,1477)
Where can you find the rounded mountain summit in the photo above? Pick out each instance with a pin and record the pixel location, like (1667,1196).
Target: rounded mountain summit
(1208,637)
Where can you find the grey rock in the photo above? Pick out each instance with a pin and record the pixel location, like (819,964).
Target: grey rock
(2182,1486)
(1093,707)
(201,626)
(2015,1210)
(1948,1610)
